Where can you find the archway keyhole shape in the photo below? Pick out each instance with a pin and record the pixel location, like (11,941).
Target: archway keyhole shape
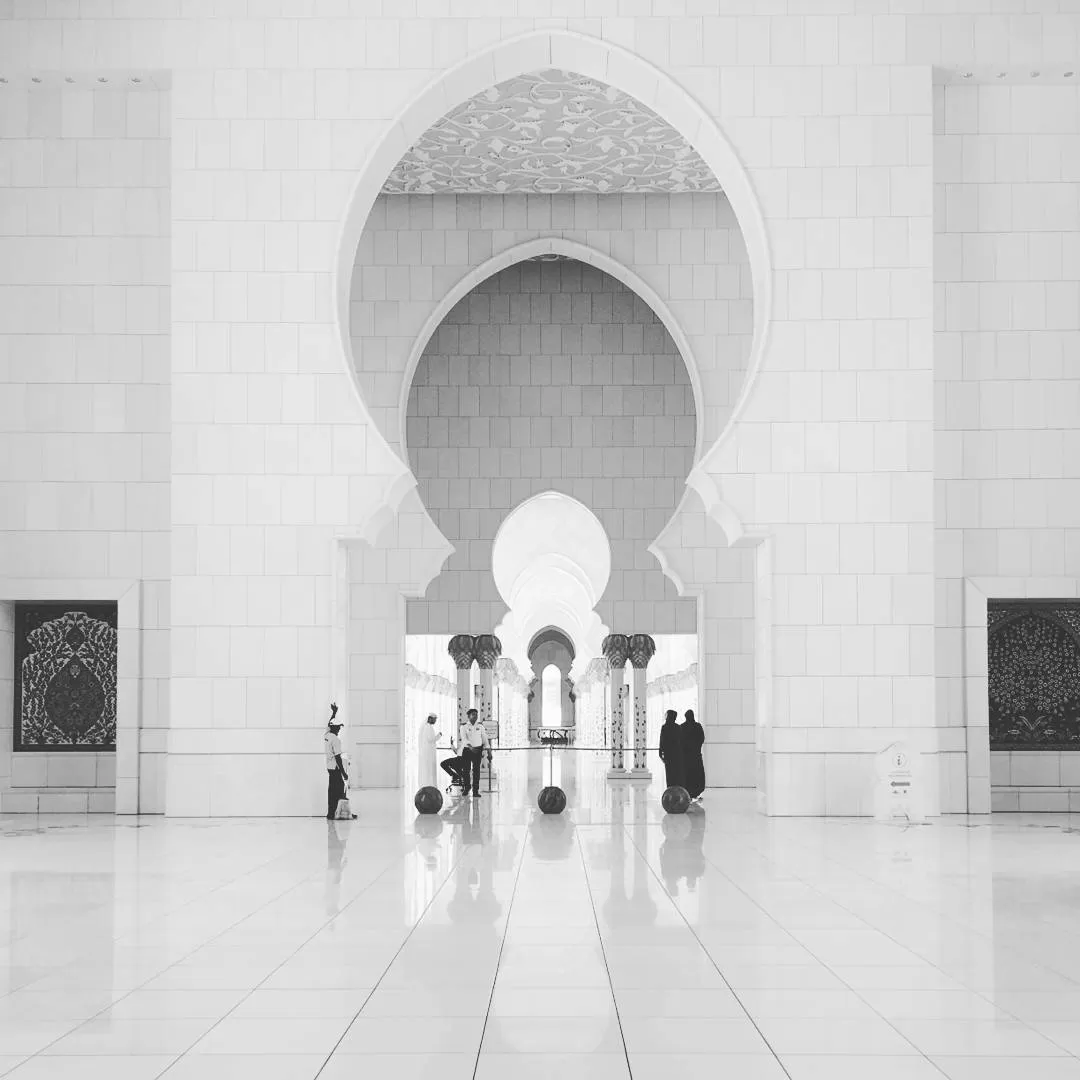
(610,65)
(551,561)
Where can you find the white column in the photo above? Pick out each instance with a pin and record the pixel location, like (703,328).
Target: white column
(462,648)
(642,649)
(488,648)
(616,648)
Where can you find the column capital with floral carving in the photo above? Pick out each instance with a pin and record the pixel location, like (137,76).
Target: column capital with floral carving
(642,650)
(616,649)
(488,649)
(462,648)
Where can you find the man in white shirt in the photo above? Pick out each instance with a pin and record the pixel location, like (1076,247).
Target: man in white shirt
(337,778)
(474,742)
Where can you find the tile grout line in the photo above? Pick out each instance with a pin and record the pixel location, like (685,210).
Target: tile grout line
(142,985)
(797,876)
(427,907)
(295,951)
(603,952)
(502,946)
(701,945)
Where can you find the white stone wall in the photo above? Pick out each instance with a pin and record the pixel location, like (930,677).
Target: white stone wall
(416,249)
(85,367)
(274,120)
(1007,450)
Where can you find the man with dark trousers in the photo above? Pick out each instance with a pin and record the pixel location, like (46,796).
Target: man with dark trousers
(474,742)
(336,776)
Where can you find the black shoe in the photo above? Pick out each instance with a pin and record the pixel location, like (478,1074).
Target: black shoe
(476,794)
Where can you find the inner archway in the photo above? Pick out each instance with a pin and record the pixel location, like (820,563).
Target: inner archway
(551,714)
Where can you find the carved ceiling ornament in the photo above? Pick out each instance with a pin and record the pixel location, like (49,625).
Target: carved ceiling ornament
(548,133)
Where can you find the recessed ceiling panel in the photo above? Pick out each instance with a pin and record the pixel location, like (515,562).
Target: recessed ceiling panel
(547,133)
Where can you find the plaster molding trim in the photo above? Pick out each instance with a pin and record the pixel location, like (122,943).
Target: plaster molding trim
(382,512)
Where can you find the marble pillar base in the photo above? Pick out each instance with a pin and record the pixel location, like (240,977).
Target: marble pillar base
(618,774)
(640,774)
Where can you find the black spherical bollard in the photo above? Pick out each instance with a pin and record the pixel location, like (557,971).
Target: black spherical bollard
(676,800)
(552,800)
(428,800)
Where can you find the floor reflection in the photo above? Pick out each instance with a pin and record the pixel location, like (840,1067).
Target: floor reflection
(493,939)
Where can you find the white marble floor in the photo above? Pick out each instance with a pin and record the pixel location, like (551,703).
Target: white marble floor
(610,942)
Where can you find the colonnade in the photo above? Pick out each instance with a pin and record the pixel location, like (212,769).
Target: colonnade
(601,694)
(510,706)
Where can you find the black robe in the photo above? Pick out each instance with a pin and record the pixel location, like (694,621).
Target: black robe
(692,738)
(671,754)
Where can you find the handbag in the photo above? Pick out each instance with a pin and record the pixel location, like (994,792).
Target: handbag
(343,811)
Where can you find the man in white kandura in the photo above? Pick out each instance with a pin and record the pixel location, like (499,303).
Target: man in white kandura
(428,763)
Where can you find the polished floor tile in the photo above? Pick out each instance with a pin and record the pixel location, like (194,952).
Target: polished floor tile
(244,1035)
(721,1066)
(858,1067)
(546,1066)
(493,941)
(256,1066)
(122,1038)
(410,1066)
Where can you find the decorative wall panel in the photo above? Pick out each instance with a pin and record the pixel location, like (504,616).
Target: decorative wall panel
(65,676)
(546,133)
(1034,666)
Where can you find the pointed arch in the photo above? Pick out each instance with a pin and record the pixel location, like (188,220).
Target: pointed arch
(607,63)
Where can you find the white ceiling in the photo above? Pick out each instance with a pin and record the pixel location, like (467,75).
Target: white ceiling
(550,132)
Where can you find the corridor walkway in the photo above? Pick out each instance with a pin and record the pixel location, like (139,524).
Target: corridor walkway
(490,942)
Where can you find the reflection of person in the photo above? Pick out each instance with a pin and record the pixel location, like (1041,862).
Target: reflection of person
(335,867)
(673,849)
(336,776)
(429,737)
(671,753)
(695,850)
(474,742)
(692,739)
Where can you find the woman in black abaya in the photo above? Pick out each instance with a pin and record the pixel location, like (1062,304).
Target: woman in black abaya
(692,739)
(671,753)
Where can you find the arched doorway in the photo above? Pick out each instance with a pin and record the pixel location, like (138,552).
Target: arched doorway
(386,377)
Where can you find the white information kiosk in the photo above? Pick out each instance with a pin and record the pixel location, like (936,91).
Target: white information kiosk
(899,795)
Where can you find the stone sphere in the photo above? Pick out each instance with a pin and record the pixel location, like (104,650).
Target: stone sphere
(428,800)
(552,800)
(676,800)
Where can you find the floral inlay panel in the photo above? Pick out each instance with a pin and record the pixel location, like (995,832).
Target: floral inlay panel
(65,676)
(546,133)
(1034,668)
